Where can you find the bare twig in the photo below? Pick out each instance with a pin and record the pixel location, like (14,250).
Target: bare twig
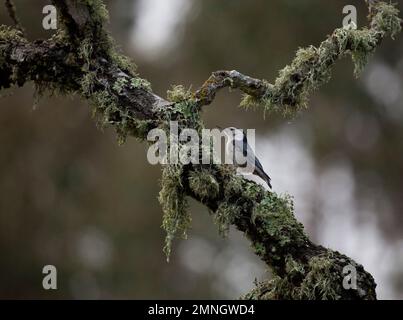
(233,79)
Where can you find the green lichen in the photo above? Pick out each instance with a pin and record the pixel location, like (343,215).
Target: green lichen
(94,41)
(253,191)
(85,51)
(87,83)
(176,219)
(233,185)
(98,10)
(259,249)
(123,62)
(8,33)
(45,89)
(363,45)
(249,102)
(203,184)
(134,83)
(184,108)
(188,110)
(106,108)
(322,280)
(291,88)
(139,83)
(224,216)
(294,84)
(105,44)
(119,85)
(128,126)
(179,93)
(103,103)
(311,67)
(387,19)
(276,214)
(293,269)
(319,279)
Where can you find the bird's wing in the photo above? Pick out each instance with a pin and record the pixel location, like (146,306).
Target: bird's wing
(249,153)
(254,161)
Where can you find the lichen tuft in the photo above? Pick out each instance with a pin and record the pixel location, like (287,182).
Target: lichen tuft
(203,184)
(319,279)
(139,83)
(387,19)
(224,216)
(276,214)
(176,219)
(179,93)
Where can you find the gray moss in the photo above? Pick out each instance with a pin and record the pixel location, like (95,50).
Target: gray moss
(176,219)
(203,184)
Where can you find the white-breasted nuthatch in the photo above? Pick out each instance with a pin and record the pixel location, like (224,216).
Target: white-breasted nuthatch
(242,154)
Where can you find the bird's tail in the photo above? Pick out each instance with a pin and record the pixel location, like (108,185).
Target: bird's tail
(264,176)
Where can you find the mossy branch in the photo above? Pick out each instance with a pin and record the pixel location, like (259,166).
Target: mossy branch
(82,59)
(311,67)
(12,12)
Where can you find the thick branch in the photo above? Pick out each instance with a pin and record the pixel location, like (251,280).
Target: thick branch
(56,65)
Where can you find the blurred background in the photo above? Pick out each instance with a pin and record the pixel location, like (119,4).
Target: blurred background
(71,197)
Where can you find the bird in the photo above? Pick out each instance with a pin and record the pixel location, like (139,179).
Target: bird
(237,145)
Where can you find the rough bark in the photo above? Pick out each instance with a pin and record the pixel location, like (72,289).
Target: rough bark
(81,59)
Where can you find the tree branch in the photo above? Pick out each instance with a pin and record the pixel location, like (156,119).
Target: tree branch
(12,12)
(81,59)
(311,68)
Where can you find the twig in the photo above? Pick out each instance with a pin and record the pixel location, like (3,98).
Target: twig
(12,12)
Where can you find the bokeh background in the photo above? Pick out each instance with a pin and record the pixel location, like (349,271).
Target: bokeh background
(71,197)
